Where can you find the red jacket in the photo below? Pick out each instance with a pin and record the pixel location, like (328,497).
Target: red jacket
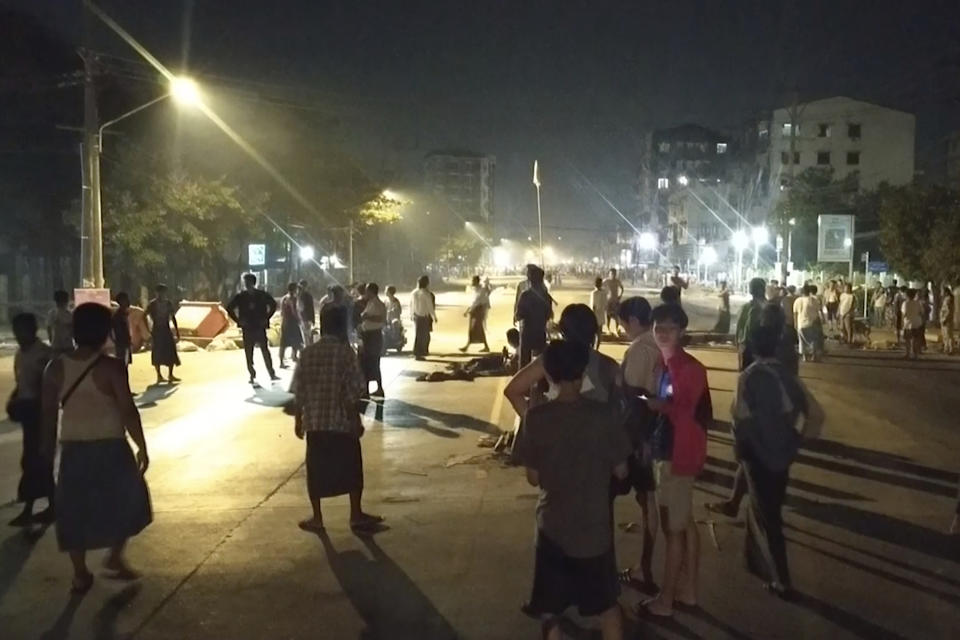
(690,413)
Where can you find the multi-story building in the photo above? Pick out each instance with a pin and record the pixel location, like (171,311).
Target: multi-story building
(462,181)
(684,188)
(847,135)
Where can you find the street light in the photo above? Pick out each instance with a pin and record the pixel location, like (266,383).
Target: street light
(647,241)
(760,237)
(847,243)
(708,256)
(683,180)
(184,91)
(740,241)
(306,253)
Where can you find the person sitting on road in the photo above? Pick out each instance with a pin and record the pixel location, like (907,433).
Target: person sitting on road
(571,446)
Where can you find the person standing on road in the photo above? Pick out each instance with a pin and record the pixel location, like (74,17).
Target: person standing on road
(846,312)
(723,311)
(327,386)
(809,316)
(786,304)
(879,306)
(614,292)
(372,320)
(534,310)
(60,323)
(291,326)
(598,302)
(162,314)
(749,319)
(641,371)
(832,301)
(308,312)
(679,283)
(571,447)
(946,320)
(252,309)
(24,407)
(912,313)
(423,307)
(899,297)
(768,403)
(680,451)
(477,315)
(102,499)
(120,330)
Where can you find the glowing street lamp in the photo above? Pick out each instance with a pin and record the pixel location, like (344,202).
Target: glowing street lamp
(760,237)
(683,180)
(708,256)
(740,241)
(307,253)
(647,241)
(185,91)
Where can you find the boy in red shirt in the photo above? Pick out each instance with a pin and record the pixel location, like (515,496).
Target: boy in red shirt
(679,450)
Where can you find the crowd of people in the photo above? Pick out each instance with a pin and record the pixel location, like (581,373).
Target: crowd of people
(593,429)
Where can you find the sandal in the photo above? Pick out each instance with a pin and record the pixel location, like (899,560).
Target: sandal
(647,587)
(366,522)
(311,526)
(644,609)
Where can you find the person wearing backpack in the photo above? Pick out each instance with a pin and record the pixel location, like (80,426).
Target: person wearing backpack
(769,404)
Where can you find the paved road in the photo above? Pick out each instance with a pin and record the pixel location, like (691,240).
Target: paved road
(867,509)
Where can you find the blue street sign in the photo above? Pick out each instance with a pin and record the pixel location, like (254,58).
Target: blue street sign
(878,267)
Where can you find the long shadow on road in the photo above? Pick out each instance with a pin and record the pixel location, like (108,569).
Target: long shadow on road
(389,601)
(398,413)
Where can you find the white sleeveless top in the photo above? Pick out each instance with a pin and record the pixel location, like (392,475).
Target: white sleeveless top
(90,414)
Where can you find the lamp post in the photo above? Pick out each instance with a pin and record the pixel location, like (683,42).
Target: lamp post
(760,237)
(740,240)
(184,91)
(536,183)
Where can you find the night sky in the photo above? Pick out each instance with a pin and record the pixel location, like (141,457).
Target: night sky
(576,84)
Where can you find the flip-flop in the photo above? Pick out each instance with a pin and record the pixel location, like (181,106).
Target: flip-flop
(311,527)
(366,522)
(644,609)
(646,587)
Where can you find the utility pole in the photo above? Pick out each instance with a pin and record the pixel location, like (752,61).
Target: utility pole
(91,269)
(350,250)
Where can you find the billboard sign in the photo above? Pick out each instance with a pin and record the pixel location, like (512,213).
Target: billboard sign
(256,255)
(835,238)
(99,296)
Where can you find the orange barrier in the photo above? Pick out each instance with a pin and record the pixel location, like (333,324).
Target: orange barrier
(201,322)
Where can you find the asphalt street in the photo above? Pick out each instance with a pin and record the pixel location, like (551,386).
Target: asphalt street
(868,508)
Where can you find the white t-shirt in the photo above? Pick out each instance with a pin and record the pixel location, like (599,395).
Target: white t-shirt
(598,300)
(912,314)
(846,303)
(807,310)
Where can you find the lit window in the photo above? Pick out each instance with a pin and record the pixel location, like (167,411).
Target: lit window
(823,130)
(788,129)
(664,147)
(853,131)
(853,157)
(663,183)
(823,157)
(721,147)
(763,133)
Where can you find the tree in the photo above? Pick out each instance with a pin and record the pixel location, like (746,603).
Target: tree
(173,225)
(920,232)
(814,192)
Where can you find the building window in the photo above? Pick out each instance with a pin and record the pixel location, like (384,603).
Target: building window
(823,130)
(823,157)
(762,132)
(663,183)
(796,157)
(721,147)
(853,131)
(664,147)
(853,157)
(784,157)
(788,129)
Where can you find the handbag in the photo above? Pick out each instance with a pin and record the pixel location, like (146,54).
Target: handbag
(80,378)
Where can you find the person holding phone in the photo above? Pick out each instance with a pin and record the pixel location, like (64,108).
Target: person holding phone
(679,450)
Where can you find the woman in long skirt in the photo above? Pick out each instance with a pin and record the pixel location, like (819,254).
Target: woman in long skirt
(164,352)
(477,314)
(102,499)
(723,311)
(291,327)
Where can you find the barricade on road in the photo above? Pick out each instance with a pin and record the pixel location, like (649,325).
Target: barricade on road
(200,322)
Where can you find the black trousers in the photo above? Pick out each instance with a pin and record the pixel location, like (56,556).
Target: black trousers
(251,339)
(766,548)
(421,342)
